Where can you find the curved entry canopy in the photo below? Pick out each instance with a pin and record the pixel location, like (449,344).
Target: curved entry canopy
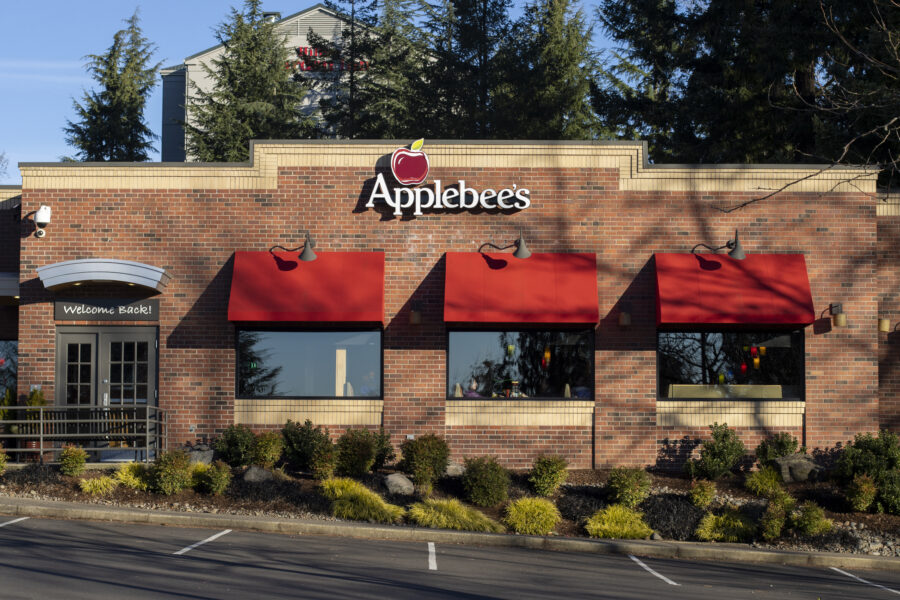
(103,269)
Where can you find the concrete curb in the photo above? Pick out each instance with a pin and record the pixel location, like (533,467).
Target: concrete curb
(738,553)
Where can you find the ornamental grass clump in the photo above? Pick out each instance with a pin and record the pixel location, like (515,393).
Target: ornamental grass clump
(618,522)
(486,482)
(354,501)
(425,459)
(451,514)
(133,475)
(809,519)
(765,482)
(98,486)
(730,526)
(772,522)
(170,473)
(702,493)
(629,487)
(267,449)
(532,516)
(719,455)
(861,492)
(72,460)
(356,452)
(548,473)
(3,459)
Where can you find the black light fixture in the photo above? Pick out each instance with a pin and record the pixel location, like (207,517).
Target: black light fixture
(521,251)
(735,250)
(307,255)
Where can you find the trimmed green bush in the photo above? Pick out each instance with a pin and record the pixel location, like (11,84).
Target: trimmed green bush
(765,482)
(267,449)
(772,522)
(354,501)
(781,444)
(235,445)
(170,473)
(72,460)
(356,450)
(323,461)
(451,514)
(485,481)
(425,459)
(548,473)
(302,443)
(702,493)
(619,522)
(861,492)
(133,475)
(719,455)
(532,516)
(4,458)
(98,486)
(889,492)
(730,526)
(809,519)
(384,450)
(214,479)
(629,486)
(869,455)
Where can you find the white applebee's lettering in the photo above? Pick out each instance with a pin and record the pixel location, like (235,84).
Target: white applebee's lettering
(436,199)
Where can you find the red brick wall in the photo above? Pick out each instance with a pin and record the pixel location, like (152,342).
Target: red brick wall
(193,234)
(889,308)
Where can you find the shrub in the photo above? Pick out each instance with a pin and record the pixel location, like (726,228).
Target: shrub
(532,516)
(98,486)
(235,445)
(772,522)
(302,442)
(356,452)
(133,475)
(352,500)
(671,515)
(384,451)
(322,462)
(718,455)
(766,482)
(3,459)
(197,472)
(861,492)
(72,460)
(214,479)
(889,492)
(425,459)
(548,473)
(781,444)
(617,521)
(702,493)
(451,514)
(629,487)
(171,473)
(869,455)
(267,449)
(485,481)
(730,526)
(809,519)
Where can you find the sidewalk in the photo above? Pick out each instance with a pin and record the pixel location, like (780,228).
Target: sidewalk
(740,553)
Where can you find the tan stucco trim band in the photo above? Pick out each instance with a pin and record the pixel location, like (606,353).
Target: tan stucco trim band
(519,413)
(737,413)
(327,412)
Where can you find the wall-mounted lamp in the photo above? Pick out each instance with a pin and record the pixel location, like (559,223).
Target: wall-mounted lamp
(625,315)
(735,250)
(307,254)
(838,316)
(41,220)
(415,313)
(522,250)
(884,325)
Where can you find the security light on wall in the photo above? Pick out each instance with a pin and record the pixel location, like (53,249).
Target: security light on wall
(521,251)
(735,250)
(41,220)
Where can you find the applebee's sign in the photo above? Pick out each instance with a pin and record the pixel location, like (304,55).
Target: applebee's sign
(410,168)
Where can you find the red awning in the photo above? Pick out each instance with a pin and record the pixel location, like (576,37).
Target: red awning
(762,289)
(499,288)
(336,287)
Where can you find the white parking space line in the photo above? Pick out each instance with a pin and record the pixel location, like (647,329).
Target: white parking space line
(651,571)
(860,579)
(432,557)
(13,521)
(201,542)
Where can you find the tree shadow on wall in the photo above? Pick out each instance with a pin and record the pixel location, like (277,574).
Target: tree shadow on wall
(419,323)
(205,324)
(672,455)
(639,300)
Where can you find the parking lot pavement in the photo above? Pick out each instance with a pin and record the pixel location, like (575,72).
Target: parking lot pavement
(42,558)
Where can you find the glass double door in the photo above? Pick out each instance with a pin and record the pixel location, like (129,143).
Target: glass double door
(106,367)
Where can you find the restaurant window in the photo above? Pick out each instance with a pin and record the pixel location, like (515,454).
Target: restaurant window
(9,362)
(308,364)
(731,364)
(520,364)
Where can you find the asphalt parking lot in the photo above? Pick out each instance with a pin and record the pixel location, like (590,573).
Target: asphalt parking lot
(46,558)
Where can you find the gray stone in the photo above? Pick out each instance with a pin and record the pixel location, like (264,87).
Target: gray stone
(656,536)
(257,475)
(201,456)
(454,469)
(798,467)
(398,483)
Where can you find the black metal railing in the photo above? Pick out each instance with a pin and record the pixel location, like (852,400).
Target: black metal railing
(39,432)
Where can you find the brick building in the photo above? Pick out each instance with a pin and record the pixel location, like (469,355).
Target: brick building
(612,343)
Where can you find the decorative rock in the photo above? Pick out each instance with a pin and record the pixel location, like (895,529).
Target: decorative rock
(656,536)
(398,483)
(257,475)
(454,469)
(798,468)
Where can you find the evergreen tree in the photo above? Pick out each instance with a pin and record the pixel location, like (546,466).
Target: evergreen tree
(111,125)
(253,95)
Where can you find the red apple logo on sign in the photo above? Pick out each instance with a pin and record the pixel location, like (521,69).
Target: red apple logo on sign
(410,167)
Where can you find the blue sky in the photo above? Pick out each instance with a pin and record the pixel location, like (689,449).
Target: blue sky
(42,48)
